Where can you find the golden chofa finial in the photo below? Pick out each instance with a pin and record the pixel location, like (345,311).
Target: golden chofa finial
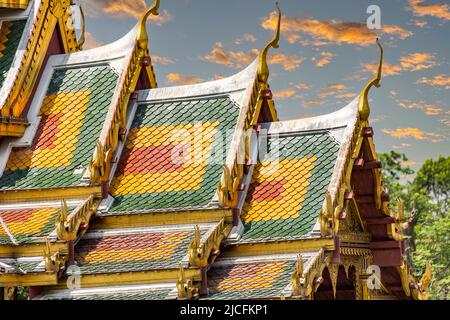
(263,69)
(363,108)
(142,36)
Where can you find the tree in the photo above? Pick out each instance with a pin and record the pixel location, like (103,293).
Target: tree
(427,204)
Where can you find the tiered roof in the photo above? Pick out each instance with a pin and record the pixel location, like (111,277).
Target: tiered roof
(188,192)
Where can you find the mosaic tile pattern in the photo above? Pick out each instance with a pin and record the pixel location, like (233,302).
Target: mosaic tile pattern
(24,267)
(72,116)
(10,34)
(169,158)
(249,280)
(4,238)
(285,197)
(132,252)
(29,225)
(130,295)
(136,295)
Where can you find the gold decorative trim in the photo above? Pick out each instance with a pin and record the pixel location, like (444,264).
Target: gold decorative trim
(31,250)
(67,229)
(54,262)
(50,13)
(227,190)
(130,278)
(263,69)
(278,247)
(161,218)
(29,279)
(200,253)
(305,284)
(363,107)
(14,4)
(13,196)
(100,165)
(185,286)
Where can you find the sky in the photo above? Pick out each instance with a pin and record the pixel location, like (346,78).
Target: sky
(326,56)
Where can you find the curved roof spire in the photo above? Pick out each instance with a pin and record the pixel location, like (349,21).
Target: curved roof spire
(263,69)
(364,108)
(142,36)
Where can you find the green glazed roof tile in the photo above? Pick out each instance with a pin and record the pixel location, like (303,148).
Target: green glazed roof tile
(11,32)
(286,204)
(73,114)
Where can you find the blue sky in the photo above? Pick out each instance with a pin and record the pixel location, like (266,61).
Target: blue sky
(326,56)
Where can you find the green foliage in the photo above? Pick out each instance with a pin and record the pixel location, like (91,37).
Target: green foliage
(427,201)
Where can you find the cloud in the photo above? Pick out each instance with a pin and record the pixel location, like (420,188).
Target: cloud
(330,31)
(417,61)
(428,109)
(313,103)
(284,94)
(437,10)
(411,62)
(337,86)
(415,133)
(181,79)
(162,60)
(401,145)
(440,80)
(247,37)
(419,23)
(338,90)
(388,69)
(91,42)
(123,9)
(323,60)
(302,86)
(239,59)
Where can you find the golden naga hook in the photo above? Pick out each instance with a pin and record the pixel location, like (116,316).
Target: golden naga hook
(263,69)
(142,36)
(363,108)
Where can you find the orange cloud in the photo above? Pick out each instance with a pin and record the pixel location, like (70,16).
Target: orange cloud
(388,69)
(181,79)
(123,9)
(337,86)
(162,60)
(429,109)
(313,103)
(417,61)
(440,80)
(420,23)
(239,59)
(302,86)
(415,133)
(411,62)
(324,60)
(247,37)
(330,31)
(438,10)
(284,94)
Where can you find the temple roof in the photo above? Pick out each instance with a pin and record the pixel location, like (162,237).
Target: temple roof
(299,160)
(184,192)
(27,38)
(162,165)
(72,107)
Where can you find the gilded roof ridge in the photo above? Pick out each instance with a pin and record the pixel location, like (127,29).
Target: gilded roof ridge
(92,234)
